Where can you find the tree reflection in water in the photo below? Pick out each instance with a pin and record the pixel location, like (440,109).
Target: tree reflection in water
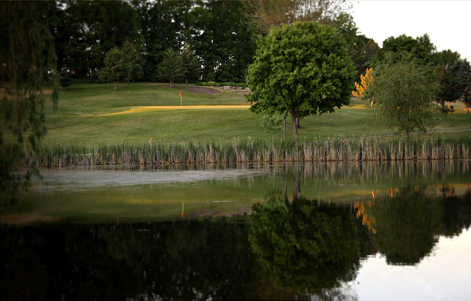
(307,245)
(314,247)
(408,222)
(286,249)
(406,225)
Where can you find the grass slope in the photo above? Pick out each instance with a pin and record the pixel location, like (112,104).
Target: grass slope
(84,118)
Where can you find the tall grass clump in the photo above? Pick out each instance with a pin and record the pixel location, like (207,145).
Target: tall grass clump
(158,155)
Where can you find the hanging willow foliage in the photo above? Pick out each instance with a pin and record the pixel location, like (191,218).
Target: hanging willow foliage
(27,65)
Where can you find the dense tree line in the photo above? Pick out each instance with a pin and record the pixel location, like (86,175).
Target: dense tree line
(217,36)
(221,35)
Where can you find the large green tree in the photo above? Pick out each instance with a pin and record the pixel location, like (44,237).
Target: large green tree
(301,69)
(28,61)
(404,92)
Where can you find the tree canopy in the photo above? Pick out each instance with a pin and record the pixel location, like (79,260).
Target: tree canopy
(404,92)
(396,48)
(301,69)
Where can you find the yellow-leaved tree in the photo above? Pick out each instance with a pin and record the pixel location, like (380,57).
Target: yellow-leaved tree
(362,89)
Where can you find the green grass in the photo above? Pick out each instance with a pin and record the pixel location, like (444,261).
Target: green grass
(76,122)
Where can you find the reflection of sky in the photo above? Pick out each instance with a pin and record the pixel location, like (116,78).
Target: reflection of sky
(444,275)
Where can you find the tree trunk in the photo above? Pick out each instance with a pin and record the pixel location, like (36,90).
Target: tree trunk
(295,127)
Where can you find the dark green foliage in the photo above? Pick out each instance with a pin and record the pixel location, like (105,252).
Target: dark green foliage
(222,34)
(88,30)
(224,39)
(404,92)
(29,63)
(454,76)
(179,67)
(171,69)
(300,70)
(112,70)
(395,49)
(131,62)
(165,24)
(191,66)
(121,64)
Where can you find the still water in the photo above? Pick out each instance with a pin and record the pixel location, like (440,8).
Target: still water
(287,232)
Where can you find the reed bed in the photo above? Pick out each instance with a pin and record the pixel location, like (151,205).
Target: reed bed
(157,155)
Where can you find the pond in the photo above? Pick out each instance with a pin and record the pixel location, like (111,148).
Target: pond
(333,231)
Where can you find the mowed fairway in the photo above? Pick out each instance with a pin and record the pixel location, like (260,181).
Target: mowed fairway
(91,114)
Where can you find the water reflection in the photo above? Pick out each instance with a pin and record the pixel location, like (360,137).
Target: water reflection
(83,196)
(406,225)
(290,247)
(306,245)
(315,247)
(165,261)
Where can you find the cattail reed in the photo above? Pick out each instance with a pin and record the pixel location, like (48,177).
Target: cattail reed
(257,151)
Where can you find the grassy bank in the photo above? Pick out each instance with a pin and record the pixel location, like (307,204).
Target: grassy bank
(144,124)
